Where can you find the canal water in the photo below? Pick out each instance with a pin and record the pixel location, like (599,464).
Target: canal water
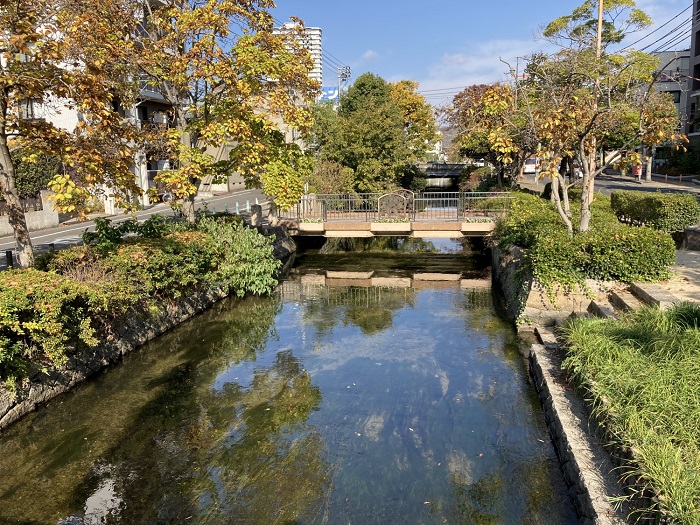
(390,398)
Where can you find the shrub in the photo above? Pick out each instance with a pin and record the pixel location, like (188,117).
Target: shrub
(668,212)
(609,251)
(618,252)
(46,314)
(41,317)
(246,262)
(529,218)
(574,192)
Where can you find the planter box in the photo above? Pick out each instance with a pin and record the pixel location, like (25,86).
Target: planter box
(478,227)
(311,227)
(436,226)
(346,226)
(400,227)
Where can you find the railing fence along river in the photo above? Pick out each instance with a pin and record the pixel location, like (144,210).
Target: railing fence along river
(323,404)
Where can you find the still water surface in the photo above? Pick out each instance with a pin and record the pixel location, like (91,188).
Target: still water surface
(326,403)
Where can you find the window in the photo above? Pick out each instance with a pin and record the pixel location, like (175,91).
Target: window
(30,109)
(676,96)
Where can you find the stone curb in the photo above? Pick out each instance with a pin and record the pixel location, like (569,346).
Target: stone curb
(585,464)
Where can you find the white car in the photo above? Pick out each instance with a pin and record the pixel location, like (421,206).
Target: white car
(532,165)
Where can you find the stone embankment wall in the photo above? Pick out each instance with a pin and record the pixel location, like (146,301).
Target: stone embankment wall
(527,303)
(136,329)
(585,465)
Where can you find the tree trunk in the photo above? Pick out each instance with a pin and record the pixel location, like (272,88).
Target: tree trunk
(556,181)
(589,169)
(189,141)
(650,155)
(16,218)
(188,209)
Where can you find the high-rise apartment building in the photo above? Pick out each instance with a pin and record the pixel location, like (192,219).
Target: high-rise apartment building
(311,40)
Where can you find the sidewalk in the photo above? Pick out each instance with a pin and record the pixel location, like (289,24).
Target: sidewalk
(611,180)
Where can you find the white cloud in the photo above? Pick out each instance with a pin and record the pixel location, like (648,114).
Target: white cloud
(482,64)
(370,55)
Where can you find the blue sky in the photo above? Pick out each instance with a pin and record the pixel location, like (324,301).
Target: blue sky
(447,44)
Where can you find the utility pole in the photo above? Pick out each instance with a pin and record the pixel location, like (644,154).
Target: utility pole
(343,76)
(599,34)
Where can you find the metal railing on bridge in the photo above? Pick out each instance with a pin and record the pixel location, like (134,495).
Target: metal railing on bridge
(402,205)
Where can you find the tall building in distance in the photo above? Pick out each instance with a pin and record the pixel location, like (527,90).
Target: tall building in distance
(311,40)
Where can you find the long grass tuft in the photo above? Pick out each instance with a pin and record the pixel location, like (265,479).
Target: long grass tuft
(643,372)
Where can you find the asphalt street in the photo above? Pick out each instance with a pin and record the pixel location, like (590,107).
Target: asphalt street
(69,233)
(606,183)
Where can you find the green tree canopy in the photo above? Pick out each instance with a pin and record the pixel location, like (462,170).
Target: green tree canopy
(379,132)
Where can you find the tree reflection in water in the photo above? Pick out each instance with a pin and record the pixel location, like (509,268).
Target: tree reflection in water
(175,448)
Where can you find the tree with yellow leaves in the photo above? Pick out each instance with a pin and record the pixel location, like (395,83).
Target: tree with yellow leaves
(572,102)
(231,82)
(580,92)
(55,58)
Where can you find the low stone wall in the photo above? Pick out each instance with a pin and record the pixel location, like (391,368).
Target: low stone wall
(136,329)
(526,301)
(586,467)
(36,220)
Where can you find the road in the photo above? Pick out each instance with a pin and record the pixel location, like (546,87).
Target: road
(70,232)
(606,183)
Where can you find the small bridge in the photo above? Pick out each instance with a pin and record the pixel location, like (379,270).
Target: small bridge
(402,212)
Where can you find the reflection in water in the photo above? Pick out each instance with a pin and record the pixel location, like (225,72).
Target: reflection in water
(320,405)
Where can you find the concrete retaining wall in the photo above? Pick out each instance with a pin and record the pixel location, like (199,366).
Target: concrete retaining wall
(136,329)
(527,303)
(36,220)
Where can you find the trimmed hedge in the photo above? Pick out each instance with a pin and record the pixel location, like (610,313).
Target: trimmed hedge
(609,251)
(668,212)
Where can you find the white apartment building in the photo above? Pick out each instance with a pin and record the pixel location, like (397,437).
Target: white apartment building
(310,40)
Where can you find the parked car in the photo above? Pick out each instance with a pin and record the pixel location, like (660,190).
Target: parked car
(532,166)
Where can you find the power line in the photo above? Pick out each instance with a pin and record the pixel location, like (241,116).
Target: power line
(683,34)
(674,30)
(670,45)
(657,29)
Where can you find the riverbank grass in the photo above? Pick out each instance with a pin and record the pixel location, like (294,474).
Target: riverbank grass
(641,372)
